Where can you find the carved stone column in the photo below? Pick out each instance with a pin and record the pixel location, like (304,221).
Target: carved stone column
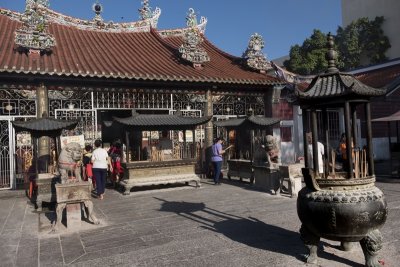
(270,102)
(208,141)
(44,142)
(208,138)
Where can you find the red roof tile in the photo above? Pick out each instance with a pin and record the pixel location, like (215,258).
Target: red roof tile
(120,55)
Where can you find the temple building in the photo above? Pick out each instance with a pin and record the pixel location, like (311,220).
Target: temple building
(94,70)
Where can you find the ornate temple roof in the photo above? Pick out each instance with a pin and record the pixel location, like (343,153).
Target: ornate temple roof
(251,122)
(129,51)
(334,84)
(158,122)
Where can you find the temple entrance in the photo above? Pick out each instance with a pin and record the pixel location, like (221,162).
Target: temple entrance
(5,155)
(15,156)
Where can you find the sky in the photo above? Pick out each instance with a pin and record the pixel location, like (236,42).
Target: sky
(282,23)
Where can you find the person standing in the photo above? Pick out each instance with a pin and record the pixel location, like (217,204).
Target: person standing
(343,151)
(321,152)
(101,161)
(217,159)
(115,152)
(87,165)
(166,146)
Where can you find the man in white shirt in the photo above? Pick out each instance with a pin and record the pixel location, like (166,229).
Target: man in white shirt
(321,151)
(101,161)
(166,145)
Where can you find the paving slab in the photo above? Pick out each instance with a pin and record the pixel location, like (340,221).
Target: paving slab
(229,225)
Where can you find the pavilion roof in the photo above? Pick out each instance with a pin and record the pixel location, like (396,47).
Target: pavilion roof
(157,122)
(44,126)
(127,55)
(337,84)
(251,122)
(334,86)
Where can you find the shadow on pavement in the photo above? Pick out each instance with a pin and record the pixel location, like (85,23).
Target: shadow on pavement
(249,231)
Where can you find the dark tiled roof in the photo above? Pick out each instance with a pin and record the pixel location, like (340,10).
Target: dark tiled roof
(251,122)
(393,117)
(236,122)
(380,77)
(337,84)
(44,126)
(263,121)
(143,56)
(157,122)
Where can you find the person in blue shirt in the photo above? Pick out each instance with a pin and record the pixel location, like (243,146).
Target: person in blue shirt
(217,159)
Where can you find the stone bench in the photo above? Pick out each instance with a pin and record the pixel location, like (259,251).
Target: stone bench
(292,175)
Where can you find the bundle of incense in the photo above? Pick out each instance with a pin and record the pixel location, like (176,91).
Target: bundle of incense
(333,162)
(228,147)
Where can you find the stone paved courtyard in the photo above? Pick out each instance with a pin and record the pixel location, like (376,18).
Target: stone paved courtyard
(228,225)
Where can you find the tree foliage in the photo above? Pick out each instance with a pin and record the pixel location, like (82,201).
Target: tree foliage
(310,57)
(361,41)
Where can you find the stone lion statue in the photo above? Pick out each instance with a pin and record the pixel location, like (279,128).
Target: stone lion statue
(267,153)
(272,149)
(69,161)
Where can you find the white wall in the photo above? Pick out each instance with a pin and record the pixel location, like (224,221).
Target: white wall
(389,9)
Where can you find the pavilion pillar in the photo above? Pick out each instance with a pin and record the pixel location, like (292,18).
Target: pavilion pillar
(44,142)
(328,157)
(314,133)
(208,138)
(349,140)
(371,169)
(354,126)
(305,141)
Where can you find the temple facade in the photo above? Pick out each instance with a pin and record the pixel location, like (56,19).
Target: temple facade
(93,70)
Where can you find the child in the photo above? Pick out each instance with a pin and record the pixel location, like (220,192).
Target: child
(87,165)
(115,152)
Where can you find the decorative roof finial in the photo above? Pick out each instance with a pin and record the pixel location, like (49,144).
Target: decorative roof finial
(191,50)
(331,55)
(97,8)
(254,56)
(32,35)
(145,11)
(30,3)
(191,19)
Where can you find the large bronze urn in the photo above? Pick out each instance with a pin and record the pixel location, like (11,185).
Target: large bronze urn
(342,205)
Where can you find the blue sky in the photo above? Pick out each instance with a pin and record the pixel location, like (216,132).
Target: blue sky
(282,23)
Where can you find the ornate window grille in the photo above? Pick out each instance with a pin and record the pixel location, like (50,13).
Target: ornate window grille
(229,105)
(17,103)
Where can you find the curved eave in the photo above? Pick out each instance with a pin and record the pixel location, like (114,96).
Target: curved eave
(251,122)
(231,123)
(263,121)
(44,126)
(333,85)
(157,122)
(139,77)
